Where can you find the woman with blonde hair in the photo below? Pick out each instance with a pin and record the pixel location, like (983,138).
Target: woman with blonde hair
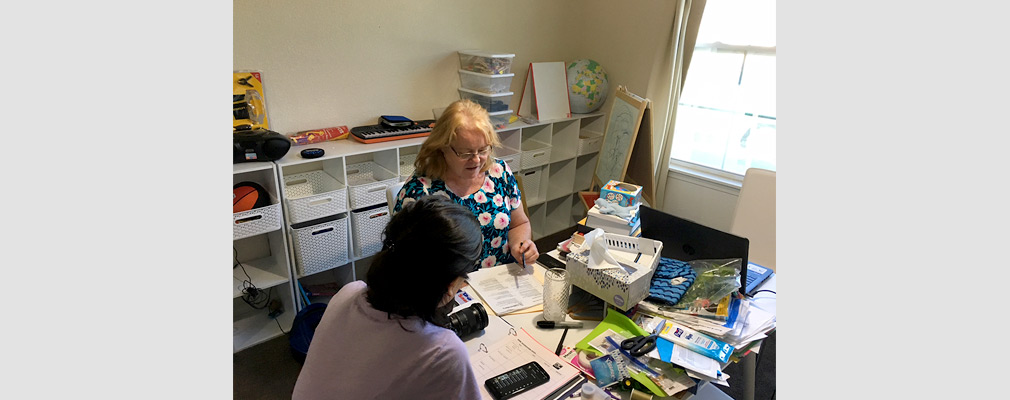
(457,161)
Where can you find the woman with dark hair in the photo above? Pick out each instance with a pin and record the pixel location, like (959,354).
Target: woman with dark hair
(387,339)
(457,161)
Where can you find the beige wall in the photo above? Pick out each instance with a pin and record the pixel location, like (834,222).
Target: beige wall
(328,63)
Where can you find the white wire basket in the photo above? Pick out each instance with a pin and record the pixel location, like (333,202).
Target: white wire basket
(313,195)
(256,221)
(407,166)
(616,285)
(368,225)
(537,153)
(531,183)
(366,184)
(321,247)
(513,162)
(591,142)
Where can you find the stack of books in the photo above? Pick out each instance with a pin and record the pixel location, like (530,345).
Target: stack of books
(612,223)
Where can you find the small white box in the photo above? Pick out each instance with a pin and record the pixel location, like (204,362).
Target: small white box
(485,83)
(485,62)
(616,286)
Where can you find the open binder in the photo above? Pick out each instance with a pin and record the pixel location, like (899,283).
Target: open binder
(515,349)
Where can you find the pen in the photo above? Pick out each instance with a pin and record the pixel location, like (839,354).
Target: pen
(561,342)
(552,324)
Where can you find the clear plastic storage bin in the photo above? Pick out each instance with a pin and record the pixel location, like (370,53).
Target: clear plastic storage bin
(485,62)
(500,119)
(485,83)
(491,102)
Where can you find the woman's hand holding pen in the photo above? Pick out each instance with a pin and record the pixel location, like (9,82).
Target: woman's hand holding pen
(525,248)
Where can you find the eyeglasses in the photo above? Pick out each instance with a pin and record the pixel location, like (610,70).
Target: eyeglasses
(466,156)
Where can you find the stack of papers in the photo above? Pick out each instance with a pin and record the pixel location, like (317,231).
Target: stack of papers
(509,288)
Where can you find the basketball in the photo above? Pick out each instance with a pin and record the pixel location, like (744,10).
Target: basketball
(247,196)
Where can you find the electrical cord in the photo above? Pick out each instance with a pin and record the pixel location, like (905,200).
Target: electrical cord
(253,296)
(764,290)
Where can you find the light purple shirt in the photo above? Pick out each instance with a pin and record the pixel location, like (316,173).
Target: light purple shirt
(359,353)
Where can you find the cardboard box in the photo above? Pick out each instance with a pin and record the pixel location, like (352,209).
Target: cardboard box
(623,194)
(616,286)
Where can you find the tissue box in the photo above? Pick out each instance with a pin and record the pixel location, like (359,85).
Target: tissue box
(616,286)
(623,194)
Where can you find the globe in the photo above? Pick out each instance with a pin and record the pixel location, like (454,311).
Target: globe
(587,86)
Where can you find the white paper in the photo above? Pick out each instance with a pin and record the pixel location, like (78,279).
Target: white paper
(695,362)
(724,379)
(514,351)
(507,288)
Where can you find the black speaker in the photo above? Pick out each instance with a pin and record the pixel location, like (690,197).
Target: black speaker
(259,145)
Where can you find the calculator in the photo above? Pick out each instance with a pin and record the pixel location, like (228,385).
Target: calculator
(516,381)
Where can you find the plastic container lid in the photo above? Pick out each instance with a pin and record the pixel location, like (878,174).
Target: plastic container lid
(498,113)
(463,71)
(474,92)
(481,53)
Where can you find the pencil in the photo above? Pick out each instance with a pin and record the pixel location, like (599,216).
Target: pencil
(561,342)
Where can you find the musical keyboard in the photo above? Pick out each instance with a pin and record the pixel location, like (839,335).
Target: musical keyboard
(381,133)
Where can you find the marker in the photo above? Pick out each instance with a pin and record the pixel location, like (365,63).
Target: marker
(561,343)
(552,324)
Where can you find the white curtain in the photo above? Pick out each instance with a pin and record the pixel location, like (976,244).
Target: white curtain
(683,35)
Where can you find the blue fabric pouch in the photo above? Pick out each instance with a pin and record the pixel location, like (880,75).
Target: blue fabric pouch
(670,281)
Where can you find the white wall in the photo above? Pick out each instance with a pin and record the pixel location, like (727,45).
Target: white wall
(328,63)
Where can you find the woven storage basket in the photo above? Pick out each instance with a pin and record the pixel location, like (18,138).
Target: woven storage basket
(322,246)
(256,221)
(513,161)
(531,182)
(537,154)
(368,225)
(366,184)
(616,286)
(407,166)
(590,143)
(313,195)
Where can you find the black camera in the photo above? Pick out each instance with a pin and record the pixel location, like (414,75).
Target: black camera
(468,320)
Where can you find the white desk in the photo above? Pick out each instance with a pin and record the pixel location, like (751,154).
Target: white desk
(550,338)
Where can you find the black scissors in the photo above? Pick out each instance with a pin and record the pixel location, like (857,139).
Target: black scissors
(641,345)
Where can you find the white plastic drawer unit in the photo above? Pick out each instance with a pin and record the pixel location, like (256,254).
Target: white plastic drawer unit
(320,245)
(368,224)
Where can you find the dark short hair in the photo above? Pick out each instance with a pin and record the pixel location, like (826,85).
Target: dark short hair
(426,245)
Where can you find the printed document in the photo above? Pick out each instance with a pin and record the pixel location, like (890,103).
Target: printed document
(507,288)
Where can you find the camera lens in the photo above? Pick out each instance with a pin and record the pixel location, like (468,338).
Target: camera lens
(468,320)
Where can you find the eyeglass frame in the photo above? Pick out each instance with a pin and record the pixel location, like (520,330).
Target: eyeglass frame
(467,156)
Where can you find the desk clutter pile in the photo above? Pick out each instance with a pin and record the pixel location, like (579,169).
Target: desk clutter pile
(666,324)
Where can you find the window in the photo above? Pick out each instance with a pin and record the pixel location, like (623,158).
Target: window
(726,115)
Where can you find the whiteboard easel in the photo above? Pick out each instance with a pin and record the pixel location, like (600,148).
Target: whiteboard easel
(626,153)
